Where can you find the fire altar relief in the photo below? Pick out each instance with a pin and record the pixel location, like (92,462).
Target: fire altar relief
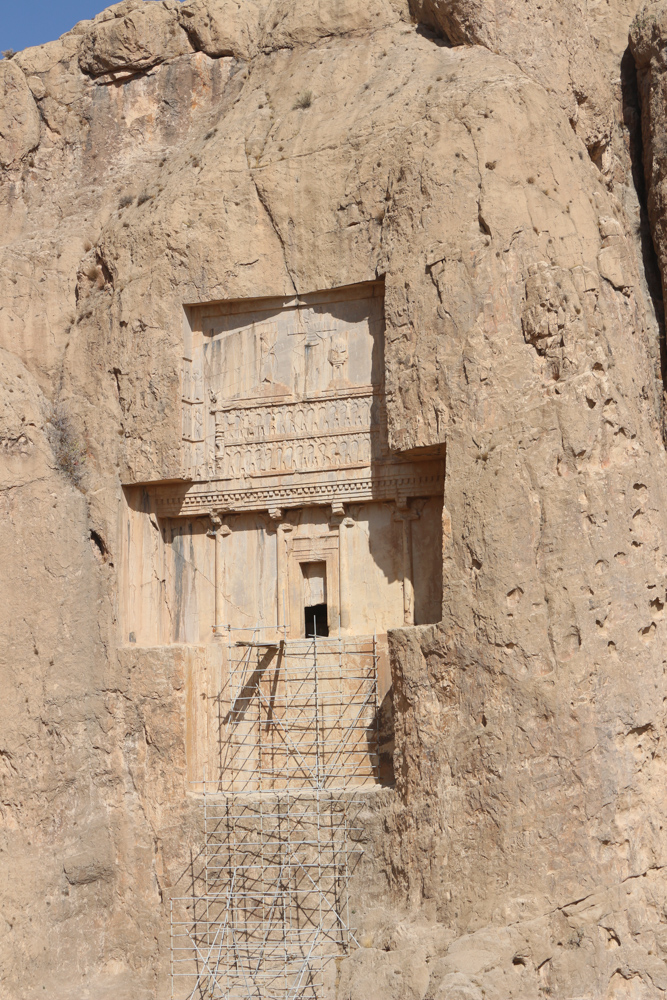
(294,513)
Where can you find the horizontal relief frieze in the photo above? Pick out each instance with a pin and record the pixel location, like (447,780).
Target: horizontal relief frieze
(298,437)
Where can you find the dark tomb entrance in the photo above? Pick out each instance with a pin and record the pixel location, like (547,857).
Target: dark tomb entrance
(316,616)
(317,622)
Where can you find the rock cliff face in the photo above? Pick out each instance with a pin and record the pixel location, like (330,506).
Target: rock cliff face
(486,160)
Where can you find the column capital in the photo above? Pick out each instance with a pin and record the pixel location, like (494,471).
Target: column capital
(218,526)
(407,511)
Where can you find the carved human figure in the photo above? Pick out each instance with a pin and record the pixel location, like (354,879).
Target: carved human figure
(338,354)
(267,354)
(197,385)
(200,460)
(197,423)
(219,440)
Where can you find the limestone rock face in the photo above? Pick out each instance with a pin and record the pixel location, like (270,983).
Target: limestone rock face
(564,61)
(481,161)
(19,118)
(287,25)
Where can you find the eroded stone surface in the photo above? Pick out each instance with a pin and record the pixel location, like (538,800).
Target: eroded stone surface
(225,28)
(566,62)
(135,38)
(647,35)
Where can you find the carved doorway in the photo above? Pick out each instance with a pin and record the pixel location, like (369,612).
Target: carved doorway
(315,612)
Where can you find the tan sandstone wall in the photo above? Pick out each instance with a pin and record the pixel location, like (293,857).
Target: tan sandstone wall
(158,156)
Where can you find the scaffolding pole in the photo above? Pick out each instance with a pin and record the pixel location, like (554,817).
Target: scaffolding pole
(298,741)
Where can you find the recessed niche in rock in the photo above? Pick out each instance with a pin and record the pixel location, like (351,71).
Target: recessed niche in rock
(293,512)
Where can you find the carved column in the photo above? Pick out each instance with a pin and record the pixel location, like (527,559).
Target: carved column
(338,518)
(408,570)
(283,529)
(407,515)
(218,532)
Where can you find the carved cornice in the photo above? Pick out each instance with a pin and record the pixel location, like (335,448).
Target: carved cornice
(391,482)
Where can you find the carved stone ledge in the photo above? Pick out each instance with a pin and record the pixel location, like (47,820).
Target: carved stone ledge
(396,483)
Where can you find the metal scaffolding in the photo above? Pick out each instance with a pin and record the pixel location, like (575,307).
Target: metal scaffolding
(298,741)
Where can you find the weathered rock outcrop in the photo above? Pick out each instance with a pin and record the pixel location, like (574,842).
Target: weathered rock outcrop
(19,124)
(165,154)
(225,28)
(133,38)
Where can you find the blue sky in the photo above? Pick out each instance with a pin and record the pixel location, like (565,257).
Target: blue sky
(31,22)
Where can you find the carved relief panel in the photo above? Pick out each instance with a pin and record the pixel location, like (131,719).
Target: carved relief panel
(283,403)
(290,387)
